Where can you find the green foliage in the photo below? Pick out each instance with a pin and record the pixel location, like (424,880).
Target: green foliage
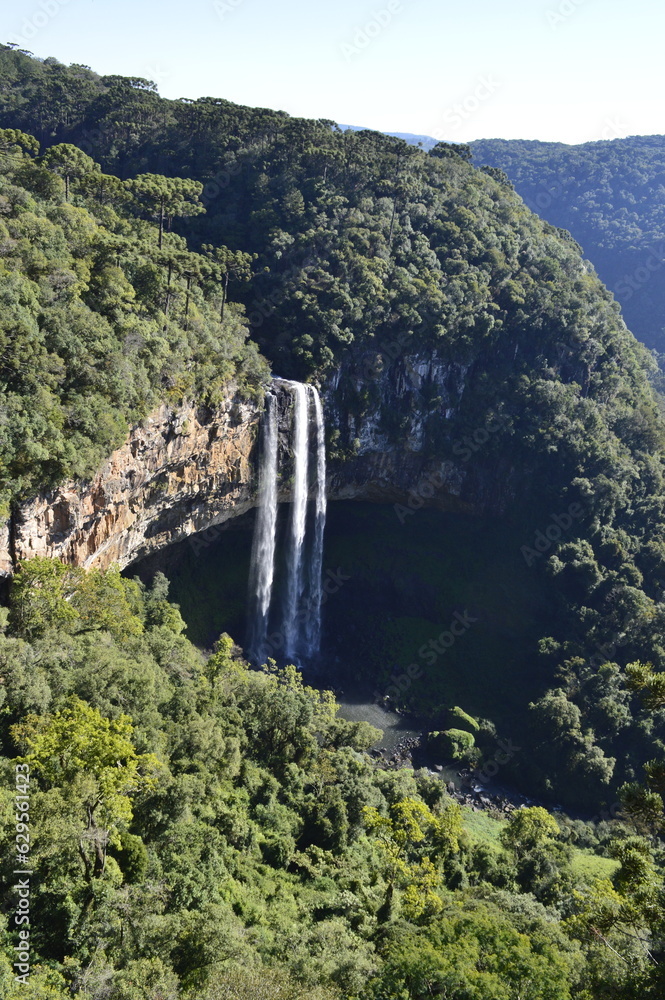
(455,744)
(608,195)
(166,198)
(13,142)
(529,828)
(367,254)
(267,837)
(642,678)
(92,766)
(40,597)
(68,162)
(462,720)
(102,315)
(265,843)
(472,951)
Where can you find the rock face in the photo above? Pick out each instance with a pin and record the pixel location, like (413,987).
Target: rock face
(184,470)
(388,463)
(179,471)
(395,419)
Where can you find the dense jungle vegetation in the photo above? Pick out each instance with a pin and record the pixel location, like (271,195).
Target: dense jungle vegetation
(103,315)
(207,830)
(609,194)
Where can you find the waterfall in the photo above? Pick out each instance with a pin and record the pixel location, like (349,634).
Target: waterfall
(296,543)
(313,622)
(262,567)
(300,631)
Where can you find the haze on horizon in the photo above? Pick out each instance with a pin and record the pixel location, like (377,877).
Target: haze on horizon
(560,70)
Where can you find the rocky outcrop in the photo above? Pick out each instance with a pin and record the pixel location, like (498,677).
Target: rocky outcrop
(180,471)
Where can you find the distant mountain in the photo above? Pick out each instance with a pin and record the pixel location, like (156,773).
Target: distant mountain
(426,142)
(611,196)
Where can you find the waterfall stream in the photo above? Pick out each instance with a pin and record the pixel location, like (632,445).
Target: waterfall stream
(262,566)
(298,634)
(313,622)
(296,542)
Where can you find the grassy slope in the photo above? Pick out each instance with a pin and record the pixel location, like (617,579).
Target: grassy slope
(484,829)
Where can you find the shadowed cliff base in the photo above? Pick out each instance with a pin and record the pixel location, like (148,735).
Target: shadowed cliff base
(448,594)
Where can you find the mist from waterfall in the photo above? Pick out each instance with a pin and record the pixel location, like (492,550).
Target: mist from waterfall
(298,633)
(262,566)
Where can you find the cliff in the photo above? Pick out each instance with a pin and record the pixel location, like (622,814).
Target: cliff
(396,425)
(179,471)
(184,470)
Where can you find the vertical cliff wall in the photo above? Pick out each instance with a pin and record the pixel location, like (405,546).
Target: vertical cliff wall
(178,472)
(185,469)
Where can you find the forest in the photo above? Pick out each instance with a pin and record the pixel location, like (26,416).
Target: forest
(203,830)
(209,831)
(609,194)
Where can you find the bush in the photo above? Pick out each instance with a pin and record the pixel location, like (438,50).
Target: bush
(455,744)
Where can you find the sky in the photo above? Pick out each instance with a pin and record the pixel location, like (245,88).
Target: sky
(564,70)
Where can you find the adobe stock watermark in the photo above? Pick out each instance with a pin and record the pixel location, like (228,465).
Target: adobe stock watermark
(332,583)
(425,489)
(221,180)
(429,652)
(45,11)
(491,767)
(464,449)
(91,139)
(605,652)
(365,34)
(613,129)
(158,74)
(262,309)
(554,187)
(458,114)
(613,812)
(375,366)
(544,540)
(214,186)
(626,287)
(223,8)
(472,443)
(563,11)
(22,885)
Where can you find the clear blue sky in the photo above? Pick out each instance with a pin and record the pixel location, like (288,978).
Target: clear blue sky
(569,70)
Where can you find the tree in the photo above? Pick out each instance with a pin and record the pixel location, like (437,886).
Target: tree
(14,142)
(455,744)
(642,806)
(190,267)
(40,597)
(223,263)
(529,828)
(444,150)
(80,751)
(106,189)
(643,679)
(404,836)
(166,198)
(102,601)
(69,162)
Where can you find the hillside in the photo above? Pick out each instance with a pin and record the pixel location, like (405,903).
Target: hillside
(102,317)
(207,831)
(610,195)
